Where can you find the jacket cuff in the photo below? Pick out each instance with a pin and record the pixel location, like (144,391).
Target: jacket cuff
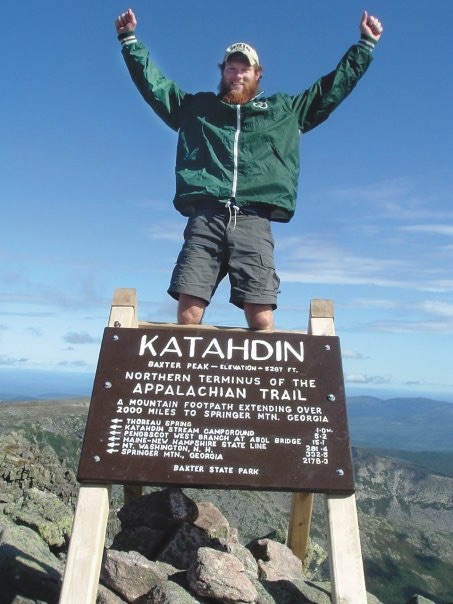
(367,42)
(127,37)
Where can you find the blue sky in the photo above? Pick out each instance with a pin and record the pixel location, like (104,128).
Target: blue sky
(87,181)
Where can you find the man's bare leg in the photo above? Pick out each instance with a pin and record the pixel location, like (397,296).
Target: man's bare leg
(259,316)
(190,309)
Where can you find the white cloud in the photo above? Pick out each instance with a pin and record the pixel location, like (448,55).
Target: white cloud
(81,337)
(166,231)
(359,378)
(75,364)
(434,229)
(352,354)
(34,331)
(406,327)
(397,199)
(437,308)
(314,260)
(12,361)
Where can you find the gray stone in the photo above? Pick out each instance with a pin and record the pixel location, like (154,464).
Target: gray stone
(24,465)
(276,561)
(130,575)
(45,513)
(221,576)
(289,592)
(140,539)
(214,523)
(169,592)
(245,556)
(182,547)
(27,568)
(160,510)
(105,596)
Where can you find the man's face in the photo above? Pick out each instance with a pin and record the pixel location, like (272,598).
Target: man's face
(239,82)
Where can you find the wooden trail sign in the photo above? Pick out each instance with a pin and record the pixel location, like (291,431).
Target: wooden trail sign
(207,407)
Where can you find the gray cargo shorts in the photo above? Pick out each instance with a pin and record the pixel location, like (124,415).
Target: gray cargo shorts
(217,244)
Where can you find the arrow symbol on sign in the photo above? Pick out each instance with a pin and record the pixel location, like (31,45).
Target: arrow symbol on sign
(112,450)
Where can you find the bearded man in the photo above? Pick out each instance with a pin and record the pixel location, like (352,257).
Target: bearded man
(237,166)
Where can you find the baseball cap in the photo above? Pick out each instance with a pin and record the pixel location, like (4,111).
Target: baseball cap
(245,49)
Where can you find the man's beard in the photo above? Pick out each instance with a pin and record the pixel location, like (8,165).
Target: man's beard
(238,97)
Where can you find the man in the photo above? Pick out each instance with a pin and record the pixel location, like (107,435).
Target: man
(237,166)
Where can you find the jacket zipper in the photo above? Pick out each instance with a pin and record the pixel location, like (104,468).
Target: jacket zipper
(236,152)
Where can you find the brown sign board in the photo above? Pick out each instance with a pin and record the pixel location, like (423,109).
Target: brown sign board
(218,408)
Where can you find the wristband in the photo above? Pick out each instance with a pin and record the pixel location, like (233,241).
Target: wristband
(127,37)
(367,42)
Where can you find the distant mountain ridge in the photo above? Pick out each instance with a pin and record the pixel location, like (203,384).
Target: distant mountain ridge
(407,424)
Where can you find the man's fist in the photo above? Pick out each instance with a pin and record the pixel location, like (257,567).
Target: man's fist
(371,26)
(125,22)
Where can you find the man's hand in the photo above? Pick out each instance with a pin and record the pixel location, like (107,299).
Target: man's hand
(371,26)
(125,22)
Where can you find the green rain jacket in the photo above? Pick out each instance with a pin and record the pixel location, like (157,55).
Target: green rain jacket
(246,153)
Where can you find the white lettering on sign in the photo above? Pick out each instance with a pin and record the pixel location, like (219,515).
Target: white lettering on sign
(220,470)
(190,346)
(159,389)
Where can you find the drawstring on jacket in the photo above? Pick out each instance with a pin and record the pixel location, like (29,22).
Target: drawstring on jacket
(233,210)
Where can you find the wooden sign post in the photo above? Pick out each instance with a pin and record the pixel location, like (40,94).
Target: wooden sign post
(200,406)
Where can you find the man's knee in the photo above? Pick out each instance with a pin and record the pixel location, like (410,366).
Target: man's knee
(190,310)
(259,316)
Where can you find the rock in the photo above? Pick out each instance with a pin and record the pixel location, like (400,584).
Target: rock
(419,600)
(27,568)
(276,561)
(288,592)
(24,465)
(105,596)
(160,510)
(221,576)
(45,513)
(214,523)
(245,556)
(315,557)
(130,575)
(169,592)
(140,539)
(182,546)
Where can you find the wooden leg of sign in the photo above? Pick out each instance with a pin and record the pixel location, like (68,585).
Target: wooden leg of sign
(83,565)
(321,323)
(345,555)
(81,577)
(299,524)
(124,313)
